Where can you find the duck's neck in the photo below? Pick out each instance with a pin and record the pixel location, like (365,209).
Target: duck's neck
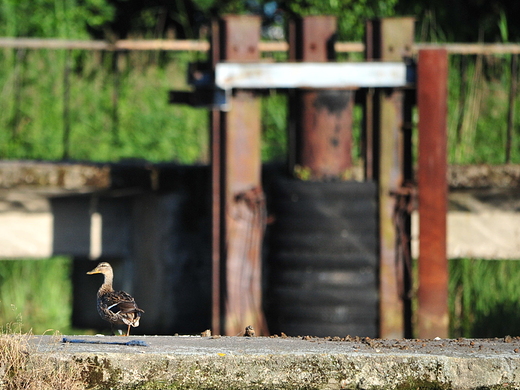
(107,284)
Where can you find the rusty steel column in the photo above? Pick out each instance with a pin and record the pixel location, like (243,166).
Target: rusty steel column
(321,121)
(389,39)
(432,92)
(215,120)
(237,235)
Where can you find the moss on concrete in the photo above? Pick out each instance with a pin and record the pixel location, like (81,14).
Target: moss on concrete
(262,363)
(248,372)
(99,373)
(420,384)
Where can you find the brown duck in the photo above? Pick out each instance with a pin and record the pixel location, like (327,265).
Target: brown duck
(116,307)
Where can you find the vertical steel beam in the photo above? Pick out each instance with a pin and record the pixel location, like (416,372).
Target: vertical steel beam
(237,235)
(321,120)
(312,38)
(389,39)
(432,74)
(216,195)
(216,221)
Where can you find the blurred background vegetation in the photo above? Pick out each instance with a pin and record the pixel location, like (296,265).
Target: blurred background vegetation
(106,107)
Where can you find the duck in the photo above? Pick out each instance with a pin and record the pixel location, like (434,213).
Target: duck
(116,307)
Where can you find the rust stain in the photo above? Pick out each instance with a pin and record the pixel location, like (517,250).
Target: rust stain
(326,133)
(322,118)
(246,223)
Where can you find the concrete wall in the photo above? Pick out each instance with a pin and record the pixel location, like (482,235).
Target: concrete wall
(482,223)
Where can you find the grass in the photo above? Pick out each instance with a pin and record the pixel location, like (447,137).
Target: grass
(484,298)
(21,370)
(36,294)
(94,106)
(478,109)
(111,116)
(274,130)
(94,113)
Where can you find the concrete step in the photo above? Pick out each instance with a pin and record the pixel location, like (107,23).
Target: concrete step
(184,362)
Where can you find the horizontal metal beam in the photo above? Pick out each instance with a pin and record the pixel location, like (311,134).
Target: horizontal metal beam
(264,46)
(313,75)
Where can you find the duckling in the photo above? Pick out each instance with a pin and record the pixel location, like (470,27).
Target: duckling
(116,307)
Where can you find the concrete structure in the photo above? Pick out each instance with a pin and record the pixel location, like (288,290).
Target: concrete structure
(288,363)
(482,223)
(484,230)
(483,215)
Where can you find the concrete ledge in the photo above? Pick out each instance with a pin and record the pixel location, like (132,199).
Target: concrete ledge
(52,176)
(290,363)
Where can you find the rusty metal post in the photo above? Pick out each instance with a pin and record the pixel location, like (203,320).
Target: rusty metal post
(432,74)
(321,121)
(215,120)
(240,219)
(389,39)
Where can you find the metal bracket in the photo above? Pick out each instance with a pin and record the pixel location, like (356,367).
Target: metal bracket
(210,98)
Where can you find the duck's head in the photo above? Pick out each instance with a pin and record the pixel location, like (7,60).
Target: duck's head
(102,268)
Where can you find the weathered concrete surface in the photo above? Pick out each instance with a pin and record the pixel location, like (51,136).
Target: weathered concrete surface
(54,177)
(291,363)
(483,223)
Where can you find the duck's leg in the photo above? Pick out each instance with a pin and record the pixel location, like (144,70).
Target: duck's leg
(128,331)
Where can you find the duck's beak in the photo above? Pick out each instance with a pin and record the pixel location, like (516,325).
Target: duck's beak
(94,271)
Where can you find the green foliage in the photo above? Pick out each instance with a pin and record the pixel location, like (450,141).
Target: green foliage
(112,115)
(233,7)
(503,28)
(52,18)
(274,122)
(351,14)
(95,113)
(484,298)
(462,21)
(36,294)
(477,110)
(204,5)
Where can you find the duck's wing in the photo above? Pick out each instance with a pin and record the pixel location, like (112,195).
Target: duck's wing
(120,302)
